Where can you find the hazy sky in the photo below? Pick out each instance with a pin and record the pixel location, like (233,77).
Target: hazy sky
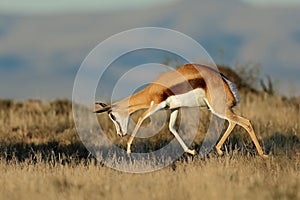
(273,2)
(47,6)
(41,51)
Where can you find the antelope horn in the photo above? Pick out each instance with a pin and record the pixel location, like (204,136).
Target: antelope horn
(101,107)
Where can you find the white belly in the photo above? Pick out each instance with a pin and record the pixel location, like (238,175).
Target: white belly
(194,98)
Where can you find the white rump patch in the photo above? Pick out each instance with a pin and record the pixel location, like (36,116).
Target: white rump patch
(193,98)
(233,89)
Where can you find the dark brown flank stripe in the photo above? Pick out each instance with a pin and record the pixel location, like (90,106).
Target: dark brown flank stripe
(183,87)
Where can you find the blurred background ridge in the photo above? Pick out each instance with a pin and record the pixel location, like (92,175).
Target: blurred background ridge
(43,43)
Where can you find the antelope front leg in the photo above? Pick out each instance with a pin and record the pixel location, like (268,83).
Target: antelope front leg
(132,136)
(173,118)
(146,114)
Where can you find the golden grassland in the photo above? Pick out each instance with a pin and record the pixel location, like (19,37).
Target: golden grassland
(41,156)
(229,177)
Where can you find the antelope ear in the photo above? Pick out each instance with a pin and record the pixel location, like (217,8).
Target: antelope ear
(101,107)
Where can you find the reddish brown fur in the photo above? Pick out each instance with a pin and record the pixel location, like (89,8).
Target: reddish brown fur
(179,81)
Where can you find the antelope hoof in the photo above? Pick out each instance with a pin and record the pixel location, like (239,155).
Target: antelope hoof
(128,149)
(264,156)
(192,152)
(219,151)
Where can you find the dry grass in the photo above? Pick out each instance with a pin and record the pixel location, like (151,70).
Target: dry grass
(230,177)
(41,156)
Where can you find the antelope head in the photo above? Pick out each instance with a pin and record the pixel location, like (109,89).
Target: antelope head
(118,116)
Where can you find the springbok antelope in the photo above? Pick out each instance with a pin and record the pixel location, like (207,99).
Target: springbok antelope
(191,85)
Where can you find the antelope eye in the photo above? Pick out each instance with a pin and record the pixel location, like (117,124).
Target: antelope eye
(112,117)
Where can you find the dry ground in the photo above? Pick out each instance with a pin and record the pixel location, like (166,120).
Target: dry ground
(41,156)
